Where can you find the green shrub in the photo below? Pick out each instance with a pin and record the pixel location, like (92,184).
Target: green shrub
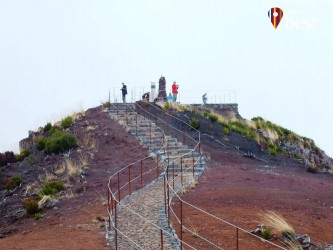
(166,106)
(106,104)
(40,144)
(47,127)
(256,119)
(67,122)
(59,143)
(13,182)
(54,130)
(17,179)
(205,114)
(31,206)
(266,233)
(7,157)
(38,216)
(25,153)
(194,123)
(250,133)
(273,149)
(51,188)
(226,131)
(213,117)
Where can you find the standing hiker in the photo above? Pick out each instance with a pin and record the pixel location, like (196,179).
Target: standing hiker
(174,89)
(124,92)
(204,99)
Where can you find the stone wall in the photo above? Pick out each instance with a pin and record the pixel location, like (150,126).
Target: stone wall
(227,110)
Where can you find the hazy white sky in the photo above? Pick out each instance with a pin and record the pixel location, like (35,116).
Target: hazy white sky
(61,56)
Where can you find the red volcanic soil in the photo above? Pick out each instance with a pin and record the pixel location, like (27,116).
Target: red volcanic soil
(233,188)
(77,222)
(238,189)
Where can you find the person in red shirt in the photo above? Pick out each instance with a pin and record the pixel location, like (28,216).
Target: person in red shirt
(174,89)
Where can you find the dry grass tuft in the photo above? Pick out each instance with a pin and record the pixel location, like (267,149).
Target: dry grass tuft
(46,177)
(72,168)
(78,115)
(91,143)
(293,245)
(278,223)
(251,124)
(91,128)
(84,161)
(192,227)
(102,198)
(60,169)
(183,190)
(272,134)
(45,198)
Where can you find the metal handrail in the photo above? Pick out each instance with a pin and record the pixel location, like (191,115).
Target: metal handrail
(175,193)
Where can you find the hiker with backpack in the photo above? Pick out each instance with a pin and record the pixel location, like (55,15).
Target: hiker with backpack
(174,90)
(124,92)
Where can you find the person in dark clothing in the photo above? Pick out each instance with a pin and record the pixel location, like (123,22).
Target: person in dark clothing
(124,92)
(145,96)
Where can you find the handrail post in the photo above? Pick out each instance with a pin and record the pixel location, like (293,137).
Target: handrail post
(115,225)
(157,166)
(111,202)
(161,239)
(150,133)
(173,175)
(141,175)
(136,127)
(118,187)
(129,179)
(181,224)
(165,210)
(168,190)
(109,207)
(193,163)
(237,238)
(181,171)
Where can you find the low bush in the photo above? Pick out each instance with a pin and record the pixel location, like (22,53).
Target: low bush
(213,117)
(106,104)
(31,206)
(273,149)
(40,144)
(51,188)
(25,153)
(13,182)
(205,114)
(38,216)
(47,127)
(194,123)
(59,143)
(226,131)
(7,157)
(67,122)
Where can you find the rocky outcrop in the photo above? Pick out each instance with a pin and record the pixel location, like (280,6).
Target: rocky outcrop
(27,143)
(315,159)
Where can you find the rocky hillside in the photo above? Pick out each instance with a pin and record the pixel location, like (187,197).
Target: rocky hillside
(224,120)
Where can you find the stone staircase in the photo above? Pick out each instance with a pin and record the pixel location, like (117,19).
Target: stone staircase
(149,201)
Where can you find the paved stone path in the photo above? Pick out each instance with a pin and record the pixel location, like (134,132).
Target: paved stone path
(148,202)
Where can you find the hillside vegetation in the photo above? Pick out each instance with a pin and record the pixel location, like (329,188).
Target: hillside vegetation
(272,138)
